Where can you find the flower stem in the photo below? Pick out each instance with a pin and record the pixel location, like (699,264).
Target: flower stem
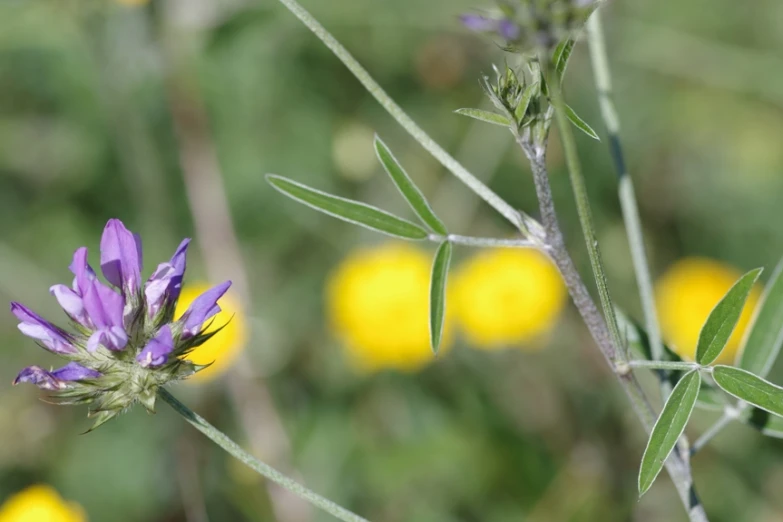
(628,204)
(485,242)
(219,438)
(396,112)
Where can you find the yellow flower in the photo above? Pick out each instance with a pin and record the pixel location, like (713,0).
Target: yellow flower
(224,347)
(40,504)
(378,303)
(685,296)
(506,297)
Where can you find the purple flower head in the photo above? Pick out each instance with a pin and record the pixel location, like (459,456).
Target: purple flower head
(202,309)
(157,351)
(503,27)
(55,379)
(121,257)
(144,348)
(165,284)
(38,328)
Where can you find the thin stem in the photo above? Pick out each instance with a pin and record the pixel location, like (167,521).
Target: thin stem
(583,208)
(219,438)
(483,191)
(708,435)
(485,242)
(630,209)
(678,467)
(663,365)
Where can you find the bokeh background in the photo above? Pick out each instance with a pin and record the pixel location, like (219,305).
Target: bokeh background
(167,114)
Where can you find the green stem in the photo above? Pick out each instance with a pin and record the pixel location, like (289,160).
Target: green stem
(708,435)
(630,208)
(485,242)
(663,365)
(219,438)
(361,74)
(583,208)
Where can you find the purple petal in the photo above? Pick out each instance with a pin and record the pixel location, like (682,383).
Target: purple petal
(203,308)
(479,23)
(75,372)
(71,302)
(82,270)
(38,328)
(165,284)
(57,379)
(113,338)
(509,30)
(104,306)
(158,349)
(121,256)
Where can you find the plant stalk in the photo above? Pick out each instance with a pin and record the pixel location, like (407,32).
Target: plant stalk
(233,449)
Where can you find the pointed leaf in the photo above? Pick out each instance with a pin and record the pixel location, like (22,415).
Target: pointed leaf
(348,210)
(721,322)
(580,124)
(668,428)
(408,189)
(749,388)
(561,55)
(485,116)
(762,345)
(524,102)
(440,272)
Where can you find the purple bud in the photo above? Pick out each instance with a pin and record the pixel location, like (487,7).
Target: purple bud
(165,284)
(71,302)
(56,379)
(157,351)
(203,308)
(38,328)
(121,256)
(478,23)
(112,337)
(509,30)
(104,307)
(83,272)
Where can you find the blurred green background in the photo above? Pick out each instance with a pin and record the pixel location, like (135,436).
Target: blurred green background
(131,111)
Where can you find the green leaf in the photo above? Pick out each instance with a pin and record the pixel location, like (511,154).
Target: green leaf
(762,345)
(440,272)
(561,55)
(348,210)
(668,428)
(721,322)
(524,102)
(580,124)
(485,116)
(749,388)
(768,424)
(408,189)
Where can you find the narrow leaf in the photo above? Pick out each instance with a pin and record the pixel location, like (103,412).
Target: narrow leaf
(721,322)
(749,388)
(348,210)
(440,272)
(408,189)
(530,91)
(561,55)
(485,116)
(762,345)
(668,428)
(580,124)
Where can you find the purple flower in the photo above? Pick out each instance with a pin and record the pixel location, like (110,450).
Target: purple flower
(38,328)
(157,351)
(165,284)
(503,27)
(56,379)
(121,257)
(203,308)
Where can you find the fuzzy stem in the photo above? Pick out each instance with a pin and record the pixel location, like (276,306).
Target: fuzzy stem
(485,242)
(708,435)
(663,365)
(630,208)
(233,449)
(396,112)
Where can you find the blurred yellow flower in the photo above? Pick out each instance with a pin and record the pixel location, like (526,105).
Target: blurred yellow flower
(222,349)
(40,503)
(506,297)
(378,303)
(685,296)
